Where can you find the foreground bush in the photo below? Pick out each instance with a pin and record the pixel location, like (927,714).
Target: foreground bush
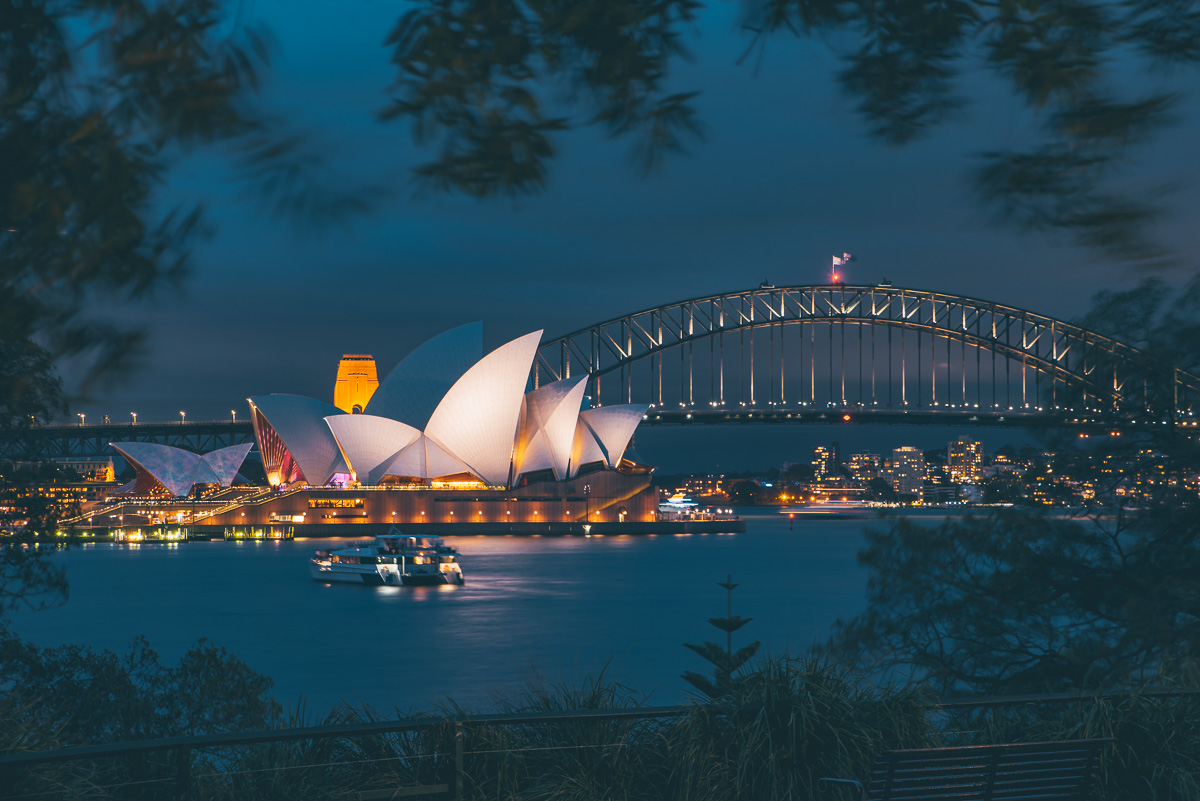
(771,731)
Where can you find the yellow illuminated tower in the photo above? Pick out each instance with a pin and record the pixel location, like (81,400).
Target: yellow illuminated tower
(356,382)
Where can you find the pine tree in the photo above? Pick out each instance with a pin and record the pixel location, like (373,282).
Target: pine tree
(726,662)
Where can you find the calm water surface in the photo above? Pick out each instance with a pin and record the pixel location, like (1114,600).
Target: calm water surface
(557,607)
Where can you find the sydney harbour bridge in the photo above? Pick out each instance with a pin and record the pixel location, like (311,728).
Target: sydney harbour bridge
(834,353)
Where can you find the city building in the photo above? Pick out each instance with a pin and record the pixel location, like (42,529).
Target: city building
(864,467)
(964,461)
(704,486)
(939,494)
(825,461)
(906,473)
(97,470)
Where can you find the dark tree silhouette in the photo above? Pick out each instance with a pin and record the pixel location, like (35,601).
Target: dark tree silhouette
(97,98)
(1019,602)
(489,85)
(726,662)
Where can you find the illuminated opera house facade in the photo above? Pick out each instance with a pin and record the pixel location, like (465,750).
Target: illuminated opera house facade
(450,437)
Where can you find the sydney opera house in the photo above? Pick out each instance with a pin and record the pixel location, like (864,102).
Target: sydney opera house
(450,437)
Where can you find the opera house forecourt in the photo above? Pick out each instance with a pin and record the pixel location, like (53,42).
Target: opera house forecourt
(450,441)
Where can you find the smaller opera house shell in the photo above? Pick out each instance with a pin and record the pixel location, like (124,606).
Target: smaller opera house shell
(450,418)
(164,470)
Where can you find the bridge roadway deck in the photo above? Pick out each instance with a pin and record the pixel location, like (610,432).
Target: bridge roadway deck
(92,441)
(859,415)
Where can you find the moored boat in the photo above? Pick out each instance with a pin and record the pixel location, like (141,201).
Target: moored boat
(392,559)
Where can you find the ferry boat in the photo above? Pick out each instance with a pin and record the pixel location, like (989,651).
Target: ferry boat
(838,509)
(392,559)
(677,503)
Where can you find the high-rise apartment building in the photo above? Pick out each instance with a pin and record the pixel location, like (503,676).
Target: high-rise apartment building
(824,462)
(907,472)
(964,461)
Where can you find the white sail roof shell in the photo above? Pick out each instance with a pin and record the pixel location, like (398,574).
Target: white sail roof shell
(225,462)
(424,459)
(477,419)
(300,424)
(369,442)
(174,468)
(547,431)
(610,429)
(412,390)
(585,448)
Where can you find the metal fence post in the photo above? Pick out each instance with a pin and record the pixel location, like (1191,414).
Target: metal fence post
(457,788)
(183,772)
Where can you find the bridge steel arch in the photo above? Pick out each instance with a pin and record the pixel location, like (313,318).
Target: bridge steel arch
(1064,369)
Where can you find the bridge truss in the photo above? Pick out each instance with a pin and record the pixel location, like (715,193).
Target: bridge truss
(91,442)
(892,353)
(802,354)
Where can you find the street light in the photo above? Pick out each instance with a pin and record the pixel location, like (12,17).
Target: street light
(82,418)
(234,413)
(134,416)
(587,503)
(182,418)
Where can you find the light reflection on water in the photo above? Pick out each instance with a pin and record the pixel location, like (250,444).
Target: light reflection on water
(562,607)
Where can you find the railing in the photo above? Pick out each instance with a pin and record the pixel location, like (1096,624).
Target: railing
(242,501)
(452,788)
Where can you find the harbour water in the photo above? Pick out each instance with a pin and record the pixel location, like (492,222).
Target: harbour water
(558,608)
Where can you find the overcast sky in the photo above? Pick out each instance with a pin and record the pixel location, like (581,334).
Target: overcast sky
(786,177)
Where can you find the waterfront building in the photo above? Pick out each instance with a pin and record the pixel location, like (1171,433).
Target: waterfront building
(964,461)
(907,471)
(449,438)
(447,416)
(97,470)
(833,490)
(939,494)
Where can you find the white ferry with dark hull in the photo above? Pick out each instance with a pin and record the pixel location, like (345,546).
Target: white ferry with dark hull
(392,559)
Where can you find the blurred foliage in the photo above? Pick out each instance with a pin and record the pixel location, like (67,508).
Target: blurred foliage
(1022,602)
(97,99)
(1161,321)
(792,722)
(73,695)
(477,76)
(784,724)
(85,695)
(490,82)
(25,505)
(1075,65)
(29,579)
(30,390)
